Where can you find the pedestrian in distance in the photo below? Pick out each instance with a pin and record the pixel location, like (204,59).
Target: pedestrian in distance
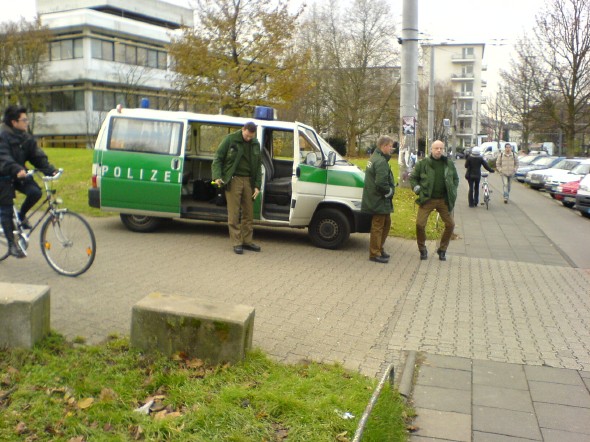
(237,167)
(435,181)
(473,164)
(17,147)
(507,165)
(377,199)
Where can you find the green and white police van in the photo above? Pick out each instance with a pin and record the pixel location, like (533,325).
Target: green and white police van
(152,165)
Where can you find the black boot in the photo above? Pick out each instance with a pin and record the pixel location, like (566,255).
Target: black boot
(423,254)
(441,254)
(15,250)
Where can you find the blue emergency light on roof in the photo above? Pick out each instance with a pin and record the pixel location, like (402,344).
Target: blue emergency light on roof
(145,103)
(265,113)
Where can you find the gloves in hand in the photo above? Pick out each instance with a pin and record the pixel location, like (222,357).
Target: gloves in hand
(417,189)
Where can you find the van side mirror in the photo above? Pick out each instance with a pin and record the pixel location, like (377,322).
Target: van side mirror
(331,160)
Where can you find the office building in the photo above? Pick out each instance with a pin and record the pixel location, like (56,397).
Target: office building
(103,53)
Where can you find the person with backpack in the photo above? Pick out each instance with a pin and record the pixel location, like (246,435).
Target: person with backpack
(473,164)
(507,165)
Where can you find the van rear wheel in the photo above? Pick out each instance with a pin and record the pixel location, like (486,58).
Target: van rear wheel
(329,228)
(138,223)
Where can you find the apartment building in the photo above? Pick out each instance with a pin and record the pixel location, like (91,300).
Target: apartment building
(462,65)
(102,53)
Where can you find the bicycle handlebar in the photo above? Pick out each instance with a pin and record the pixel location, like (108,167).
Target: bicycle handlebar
(57,176)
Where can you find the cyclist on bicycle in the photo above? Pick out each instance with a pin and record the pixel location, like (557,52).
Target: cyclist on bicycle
(473,164)
(17,147)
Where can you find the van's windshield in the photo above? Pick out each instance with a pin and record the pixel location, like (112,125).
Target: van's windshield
(326,148)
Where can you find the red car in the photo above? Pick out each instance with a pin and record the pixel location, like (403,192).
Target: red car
(566,193)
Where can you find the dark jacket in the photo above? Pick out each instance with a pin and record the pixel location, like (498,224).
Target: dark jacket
(423,176)
(473,165)
(379,185)
(228,156)
(16,148)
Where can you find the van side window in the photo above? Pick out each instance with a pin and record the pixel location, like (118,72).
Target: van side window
(137,135)
(308,144)
(282,144)
(209,136)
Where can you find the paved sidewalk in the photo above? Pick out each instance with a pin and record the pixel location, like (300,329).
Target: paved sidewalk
(508,295)
(524,371)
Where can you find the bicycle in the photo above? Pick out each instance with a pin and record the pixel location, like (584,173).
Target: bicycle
(485,187)
(67,240)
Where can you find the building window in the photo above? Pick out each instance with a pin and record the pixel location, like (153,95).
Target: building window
(130,54)
(65,49)
(102,50)
(61,101)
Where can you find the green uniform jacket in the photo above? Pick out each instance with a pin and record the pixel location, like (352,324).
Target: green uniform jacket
(228,156)
(423,176)
(379,186)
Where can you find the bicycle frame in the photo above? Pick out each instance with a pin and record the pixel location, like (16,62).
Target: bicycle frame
(51,203)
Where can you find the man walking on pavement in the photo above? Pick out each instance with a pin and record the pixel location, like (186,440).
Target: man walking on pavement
(378,198)
(507,164)
(237,166)
(435,181)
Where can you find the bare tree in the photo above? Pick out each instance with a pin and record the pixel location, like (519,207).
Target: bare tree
(563,44)
(444,95)
(523,84)
(23,49)
(496,119)
(361,82)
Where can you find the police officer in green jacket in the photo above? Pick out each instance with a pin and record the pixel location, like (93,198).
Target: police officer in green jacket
(435,181)
(237,166)
(378,198)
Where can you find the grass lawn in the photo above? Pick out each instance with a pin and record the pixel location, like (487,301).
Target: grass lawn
(67,392)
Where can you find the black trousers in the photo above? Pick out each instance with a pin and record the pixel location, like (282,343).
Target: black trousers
(32,191)
(473,195)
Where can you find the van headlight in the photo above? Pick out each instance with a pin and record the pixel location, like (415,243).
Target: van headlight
(357,204)
(584,187)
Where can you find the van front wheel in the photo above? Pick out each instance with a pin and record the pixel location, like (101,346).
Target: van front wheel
(137,223)
(329,228)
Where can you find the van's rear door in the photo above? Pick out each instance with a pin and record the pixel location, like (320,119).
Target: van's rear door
(141,168)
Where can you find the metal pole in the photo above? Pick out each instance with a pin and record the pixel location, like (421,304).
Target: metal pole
(409,85)
(431,101)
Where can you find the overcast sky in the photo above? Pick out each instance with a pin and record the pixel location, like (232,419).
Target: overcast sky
(463,21)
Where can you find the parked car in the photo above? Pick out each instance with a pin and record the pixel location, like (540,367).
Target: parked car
(536,178)
(526,164)
(583,197)
(577,173)
(566,193)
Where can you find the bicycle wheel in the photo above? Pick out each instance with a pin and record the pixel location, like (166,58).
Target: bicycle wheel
(3,246)
(68,243)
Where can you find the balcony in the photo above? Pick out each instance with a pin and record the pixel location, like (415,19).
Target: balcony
(465,94)
(464,76)
(465,113)
(463,58)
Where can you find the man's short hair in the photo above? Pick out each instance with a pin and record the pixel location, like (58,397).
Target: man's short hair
(508,145)
(12,113)
(250,127)
(384,141)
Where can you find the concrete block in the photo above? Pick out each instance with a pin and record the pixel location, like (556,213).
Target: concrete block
(24,314)
(212,331)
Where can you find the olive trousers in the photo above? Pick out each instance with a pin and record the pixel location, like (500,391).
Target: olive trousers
(424,212)
(239,196)
(380,225)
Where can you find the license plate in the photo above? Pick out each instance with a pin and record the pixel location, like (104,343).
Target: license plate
(535,181)
(569,199)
